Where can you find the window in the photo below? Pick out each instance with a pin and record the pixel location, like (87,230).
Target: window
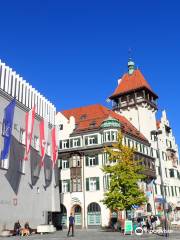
(171,173)
(106,182)
(64,144)
(76,161)
(76,185)
(65,186)
(175,191)
(92,160)
(22,138)
(172,190)
(36,143)
(91,140)
(65,164)
(151,152)
(92,184)
(75,142)
(60,127)
(158,171)
(105,158)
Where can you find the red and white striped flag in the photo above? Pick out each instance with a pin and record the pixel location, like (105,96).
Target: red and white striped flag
(43,127)
(30,116)
(54,152)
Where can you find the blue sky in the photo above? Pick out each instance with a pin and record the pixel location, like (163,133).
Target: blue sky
(74,51)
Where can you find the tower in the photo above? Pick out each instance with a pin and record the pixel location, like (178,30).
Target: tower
(135,99)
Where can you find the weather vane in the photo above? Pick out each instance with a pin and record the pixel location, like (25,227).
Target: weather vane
(130,53)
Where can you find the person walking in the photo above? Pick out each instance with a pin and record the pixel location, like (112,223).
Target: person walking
(71,225)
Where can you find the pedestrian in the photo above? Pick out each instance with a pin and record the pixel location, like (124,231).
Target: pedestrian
(148,224)
(17,227)
(71,225)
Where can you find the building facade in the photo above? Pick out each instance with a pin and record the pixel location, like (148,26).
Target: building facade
(28,192)
(135,99)
(83,133)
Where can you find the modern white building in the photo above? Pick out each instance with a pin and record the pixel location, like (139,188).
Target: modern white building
(83,133)
(28,192)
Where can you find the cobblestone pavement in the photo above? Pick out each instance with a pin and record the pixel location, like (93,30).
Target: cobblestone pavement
(93,235)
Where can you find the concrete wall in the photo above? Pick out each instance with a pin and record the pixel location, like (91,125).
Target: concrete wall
(19,200)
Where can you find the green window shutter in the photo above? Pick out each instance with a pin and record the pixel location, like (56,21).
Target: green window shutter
(68,185)
(97,183)
(71,143)
(60,144)
(87,184)
(87,161)
(96,139)
(68,143)
(86,141)
(96,160)
(67,163)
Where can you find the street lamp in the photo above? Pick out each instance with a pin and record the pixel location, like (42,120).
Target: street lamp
(156,133)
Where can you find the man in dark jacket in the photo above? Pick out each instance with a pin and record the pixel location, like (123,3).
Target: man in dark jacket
(71,225)
(17,227)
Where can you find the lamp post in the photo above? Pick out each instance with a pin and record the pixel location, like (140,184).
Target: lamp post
(156,133)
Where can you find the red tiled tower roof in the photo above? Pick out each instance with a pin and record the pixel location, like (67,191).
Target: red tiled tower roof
(92,116)
(131,82)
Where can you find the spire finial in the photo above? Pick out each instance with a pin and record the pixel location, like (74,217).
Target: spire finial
(131,64)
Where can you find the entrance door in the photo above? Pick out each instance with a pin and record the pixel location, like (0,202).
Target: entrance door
(63,217)
(94,215)
(77,215)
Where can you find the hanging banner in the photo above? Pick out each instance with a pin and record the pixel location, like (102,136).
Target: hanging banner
(7,128)
(30,117)
(43,127)
(54,147)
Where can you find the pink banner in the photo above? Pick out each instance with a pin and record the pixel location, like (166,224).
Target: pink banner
(30,116)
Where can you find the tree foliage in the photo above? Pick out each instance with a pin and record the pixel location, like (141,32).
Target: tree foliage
(125,172)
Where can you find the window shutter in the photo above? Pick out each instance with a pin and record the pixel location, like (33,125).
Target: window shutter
(68,143)
(96,139)
(67,163)
(96,160)
(86,141)
(71,143)
(97,183)
(68,181)
(60,144)
(87,184)
(87,161)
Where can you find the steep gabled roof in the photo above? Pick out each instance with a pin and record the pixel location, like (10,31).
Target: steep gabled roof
(91,117)
(132,82)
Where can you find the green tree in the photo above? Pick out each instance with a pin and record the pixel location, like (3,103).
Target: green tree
(125,172)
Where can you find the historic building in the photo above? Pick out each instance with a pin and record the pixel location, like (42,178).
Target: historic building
(28,191)
(135,100)
(84,132)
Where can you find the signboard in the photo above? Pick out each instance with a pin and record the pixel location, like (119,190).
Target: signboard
(128,228)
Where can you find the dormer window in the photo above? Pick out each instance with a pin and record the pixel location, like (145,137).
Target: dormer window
(92,124)
(83,117)
(91,140)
